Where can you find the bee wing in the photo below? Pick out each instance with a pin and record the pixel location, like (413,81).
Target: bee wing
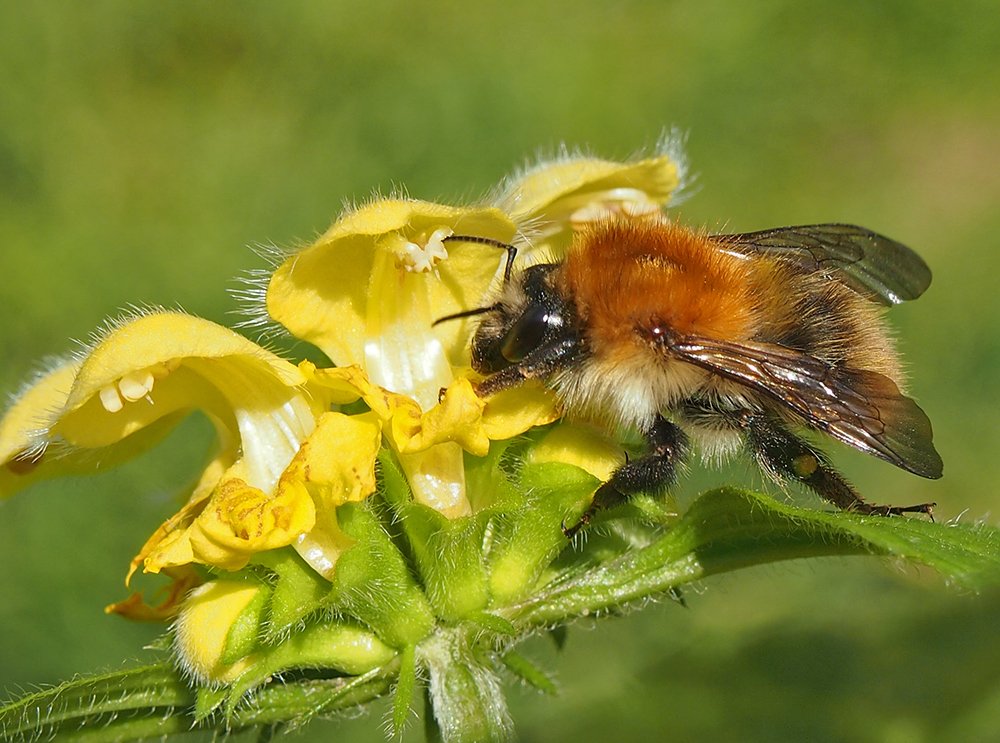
(863,409)
(881,269)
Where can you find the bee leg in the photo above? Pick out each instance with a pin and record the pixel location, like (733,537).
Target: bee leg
(668,445)
(785,456)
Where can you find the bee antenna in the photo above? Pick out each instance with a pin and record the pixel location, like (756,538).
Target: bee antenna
(511,252)
(465,313)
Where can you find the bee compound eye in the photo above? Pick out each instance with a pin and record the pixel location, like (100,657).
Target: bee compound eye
(528,332)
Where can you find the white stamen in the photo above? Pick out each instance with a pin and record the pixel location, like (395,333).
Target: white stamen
(110,399)
(423,259)
(136,385)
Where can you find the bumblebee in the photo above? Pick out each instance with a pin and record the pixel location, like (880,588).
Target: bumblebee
(723,341)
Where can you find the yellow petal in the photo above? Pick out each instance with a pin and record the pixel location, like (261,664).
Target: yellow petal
(145,374)
(457,418)
(428,454)
(337,462)
(582,446)
(519,409)
(24,424)
(322,293)
(572,190)
(155,342)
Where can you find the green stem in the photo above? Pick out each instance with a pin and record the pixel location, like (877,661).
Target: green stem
(728,529)
(466,696)
(154,701)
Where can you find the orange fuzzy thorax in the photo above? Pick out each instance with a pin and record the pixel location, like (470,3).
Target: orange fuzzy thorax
(628,274)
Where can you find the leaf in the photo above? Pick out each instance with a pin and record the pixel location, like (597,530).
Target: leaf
(529,673)
(402,701)
(727,529)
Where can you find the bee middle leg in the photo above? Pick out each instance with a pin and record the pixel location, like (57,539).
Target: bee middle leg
(668,446)
(785,456)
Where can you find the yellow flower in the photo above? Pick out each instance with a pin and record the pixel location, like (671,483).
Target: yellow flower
(367,294)
(369,290)
(286,460)
(136,382)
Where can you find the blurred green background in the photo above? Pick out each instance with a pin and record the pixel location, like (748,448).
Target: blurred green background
(144,146)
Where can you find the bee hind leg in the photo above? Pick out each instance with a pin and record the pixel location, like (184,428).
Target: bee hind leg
(786,457)
(668,446)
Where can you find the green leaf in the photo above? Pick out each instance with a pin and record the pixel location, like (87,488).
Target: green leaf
(528,672)
(727,529)
(402,701)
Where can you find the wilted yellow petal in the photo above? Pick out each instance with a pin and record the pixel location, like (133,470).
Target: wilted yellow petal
(236,522)
(135,607)
(585,447)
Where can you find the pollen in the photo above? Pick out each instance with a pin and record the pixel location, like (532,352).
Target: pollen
(804,466)
(424,258)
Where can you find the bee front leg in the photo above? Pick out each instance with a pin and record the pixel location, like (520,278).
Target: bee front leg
(785,456)
(668,446)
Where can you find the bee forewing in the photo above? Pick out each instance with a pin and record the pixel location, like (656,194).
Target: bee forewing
(861,408)
(875,266)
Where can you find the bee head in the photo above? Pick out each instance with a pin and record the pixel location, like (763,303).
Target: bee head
(530,332)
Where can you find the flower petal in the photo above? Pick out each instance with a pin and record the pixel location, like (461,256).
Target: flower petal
(23,427)
(582,446)
(322,293)
(236,522)
(337,462)
(513,411)
(160,366)
(457,417)
(135,607)
(570,191)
